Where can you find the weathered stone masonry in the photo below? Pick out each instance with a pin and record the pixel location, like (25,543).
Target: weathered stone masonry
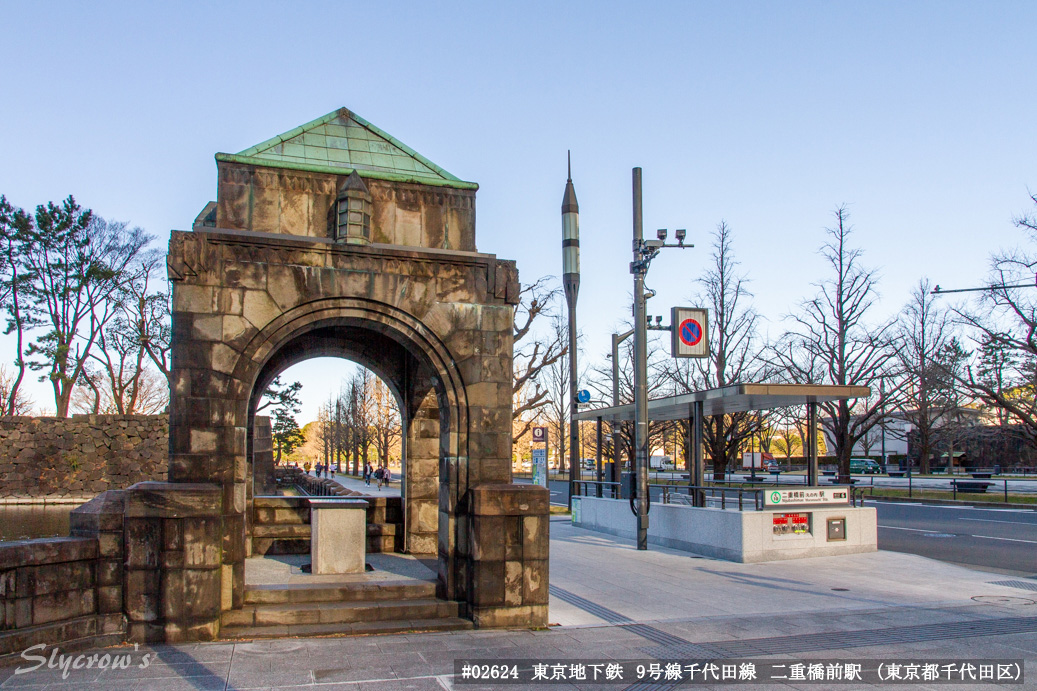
(77,457)
(332,239)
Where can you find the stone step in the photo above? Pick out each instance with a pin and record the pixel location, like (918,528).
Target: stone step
(339,592)
(295,614)
(348,629)
(281,531)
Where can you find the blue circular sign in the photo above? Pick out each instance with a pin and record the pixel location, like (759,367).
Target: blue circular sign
(583,396)
(690,332)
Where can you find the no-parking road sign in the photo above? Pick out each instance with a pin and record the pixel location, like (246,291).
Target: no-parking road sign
(690,332)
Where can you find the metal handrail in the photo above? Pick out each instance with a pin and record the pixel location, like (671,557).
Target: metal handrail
(581,487)
(712,491)
(610,490)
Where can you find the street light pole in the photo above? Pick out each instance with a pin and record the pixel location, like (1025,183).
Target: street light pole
(571,284)
(616,340)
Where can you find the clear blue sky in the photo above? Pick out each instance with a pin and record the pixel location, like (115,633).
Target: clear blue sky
(918,115)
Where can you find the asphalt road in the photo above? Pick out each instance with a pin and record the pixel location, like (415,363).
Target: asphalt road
(998,540)
(1002,540)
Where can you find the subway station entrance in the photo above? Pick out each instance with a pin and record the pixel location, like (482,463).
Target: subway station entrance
(336,239)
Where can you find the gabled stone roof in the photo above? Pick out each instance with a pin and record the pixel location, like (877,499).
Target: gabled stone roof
(341,142)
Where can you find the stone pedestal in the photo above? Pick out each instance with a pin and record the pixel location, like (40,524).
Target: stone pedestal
(173,576)
(509,541)
(338,535)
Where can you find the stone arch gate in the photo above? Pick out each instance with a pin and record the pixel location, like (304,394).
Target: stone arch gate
(337,239)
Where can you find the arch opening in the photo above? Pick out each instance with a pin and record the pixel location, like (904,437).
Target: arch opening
(421,396)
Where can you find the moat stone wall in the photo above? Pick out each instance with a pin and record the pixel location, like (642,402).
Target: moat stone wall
(78,457)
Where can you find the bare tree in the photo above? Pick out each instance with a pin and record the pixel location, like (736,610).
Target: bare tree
(600,381)
(12,405)
(534,353)
(1004,321)
(146,312)
(733,352)
(556,400)
(832,342)
(355,429)
(785,435)
(924,334)
(386,428)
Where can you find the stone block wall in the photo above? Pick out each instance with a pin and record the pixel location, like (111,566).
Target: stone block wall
(49,592)
(43,457)
(296,202)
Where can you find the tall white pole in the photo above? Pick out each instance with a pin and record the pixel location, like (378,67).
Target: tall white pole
(571,284)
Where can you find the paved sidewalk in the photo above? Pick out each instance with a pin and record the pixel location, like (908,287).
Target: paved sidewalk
(349,482)
(610,601)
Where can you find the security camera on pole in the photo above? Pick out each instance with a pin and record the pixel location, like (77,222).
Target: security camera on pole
(571,284)
(644,252)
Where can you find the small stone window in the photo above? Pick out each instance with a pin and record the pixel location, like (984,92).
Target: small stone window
(352,215)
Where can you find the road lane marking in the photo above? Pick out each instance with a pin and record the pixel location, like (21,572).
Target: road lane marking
(980,537)
(895,503)
(1006,539)
(990,520)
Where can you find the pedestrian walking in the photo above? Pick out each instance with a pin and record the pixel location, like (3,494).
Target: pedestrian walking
(368,470)
(387,476)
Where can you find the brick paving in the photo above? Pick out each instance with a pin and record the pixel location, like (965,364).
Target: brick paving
(611,602)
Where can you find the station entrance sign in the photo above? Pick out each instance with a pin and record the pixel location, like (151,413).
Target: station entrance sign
(807,495)
(689,332)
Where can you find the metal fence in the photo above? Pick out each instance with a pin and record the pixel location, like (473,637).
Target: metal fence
(710,496)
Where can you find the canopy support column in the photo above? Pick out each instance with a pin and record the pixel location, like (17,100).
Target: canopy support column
(697,475)
(812,444)
(598,455)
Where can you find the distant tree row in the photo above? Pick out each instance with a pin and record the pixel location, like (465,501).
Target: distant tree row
(936,365)
(360,425)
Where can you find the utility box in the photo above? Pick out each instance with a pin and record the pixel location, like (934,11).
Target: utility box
(627,485)
(836,529)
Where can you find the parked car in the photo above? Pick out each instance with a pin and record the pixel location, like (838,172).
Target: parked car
(865,466)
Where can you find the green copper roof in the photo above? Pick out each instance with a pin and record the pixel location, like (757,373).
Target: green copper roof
(341,142)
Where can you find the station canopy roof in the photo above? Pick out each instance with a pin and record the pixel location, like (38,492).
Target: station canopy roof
(737,398)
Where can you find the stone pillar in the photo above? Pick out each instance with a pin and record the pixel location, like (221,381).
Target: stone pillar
(102,518)
(421,483)
(173,546)
(338,535)
(263,457)
(508,537)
